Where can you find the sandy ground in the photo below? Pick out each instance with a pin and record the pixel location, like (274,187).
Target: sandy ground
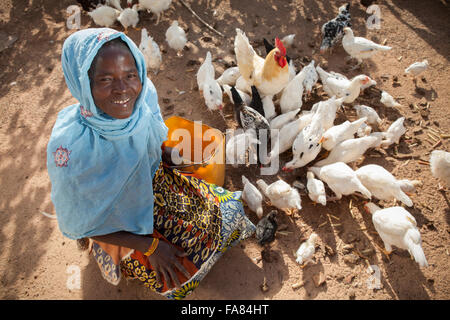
(37,262)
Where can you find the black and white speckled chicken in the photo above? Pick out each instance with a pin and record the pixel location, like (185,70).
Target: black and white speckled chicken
(332,30)
(246,116)
(367,3)
(251,116)
(88,5)
(266,228)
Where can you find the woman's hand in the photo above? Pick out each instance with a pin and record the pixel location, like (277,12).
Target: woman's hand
(164,260)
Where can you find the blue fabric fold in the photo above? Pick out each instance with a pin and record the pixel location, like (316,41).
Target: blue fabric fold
(101,168)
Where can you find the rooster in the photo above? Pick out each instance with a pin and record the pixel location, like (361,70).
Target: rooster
(269,75)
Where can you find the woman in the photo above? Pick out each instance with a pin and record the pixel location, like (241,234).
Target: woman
(145,220)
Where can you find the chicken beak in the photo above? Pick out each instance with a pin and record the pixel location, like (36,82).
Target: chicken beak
(322,140)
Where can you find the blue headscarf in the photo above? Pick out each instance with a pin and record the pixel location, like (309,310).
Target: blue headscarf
(101,168)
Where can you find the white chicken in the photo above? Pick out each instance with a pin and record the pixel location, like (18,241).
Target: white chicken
(352,149)
(269,107)
(409,186)
(238,146)
(306,145)
(363,130)
(360,48)
(243,85)
(316,189)
(213,95)
(252,197)
(292,70)
(291,96)
(417,68)
(339,133)
(285,137)
(244,96)
(341,179)
(114,3)
(440,166)
(382,184)
(394,133)
(281,195)
(306,251)
(397,227)
(388,100)
(104,16)
(283,119)
(365,111)
(155,6)
(229,76)
(176,37)
(335,84)
(129,17)
(208,86)
(311,77)
(288,40)
(368,84)
(269,75)
(151,51)
(205,71)
(325,111)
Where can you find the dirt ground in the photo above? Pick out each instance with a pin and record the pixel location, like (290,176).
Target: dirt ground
(37,262)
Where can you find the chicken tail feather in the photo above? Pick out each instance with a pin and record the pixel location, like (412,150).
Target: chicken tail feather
(412,238)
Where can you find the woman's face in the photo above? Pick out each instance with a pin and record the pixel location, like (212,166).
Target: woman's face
(115,82)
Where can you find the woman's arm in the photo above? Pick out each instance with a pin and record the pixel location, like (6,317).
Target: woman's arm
(126,239)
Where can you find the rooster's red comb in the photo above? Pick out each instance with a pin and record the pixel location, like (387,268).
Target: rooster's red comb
(280,46)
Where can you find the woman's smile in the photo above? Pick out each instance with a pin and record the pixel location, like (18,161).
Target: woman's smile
(121,102)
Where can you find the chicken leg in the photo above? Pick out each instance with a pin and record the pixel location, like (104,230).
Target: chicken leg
(385,251)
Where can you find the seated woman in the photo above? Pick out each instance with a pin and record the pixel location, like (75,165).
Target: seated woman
(144,219)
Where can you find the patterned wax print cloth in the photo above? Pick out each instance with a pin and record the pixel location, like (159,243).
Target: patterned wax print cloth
(201,218)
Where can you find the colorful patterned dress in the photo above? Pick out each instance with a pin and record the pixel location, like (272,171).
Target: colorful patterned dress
(201,218)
